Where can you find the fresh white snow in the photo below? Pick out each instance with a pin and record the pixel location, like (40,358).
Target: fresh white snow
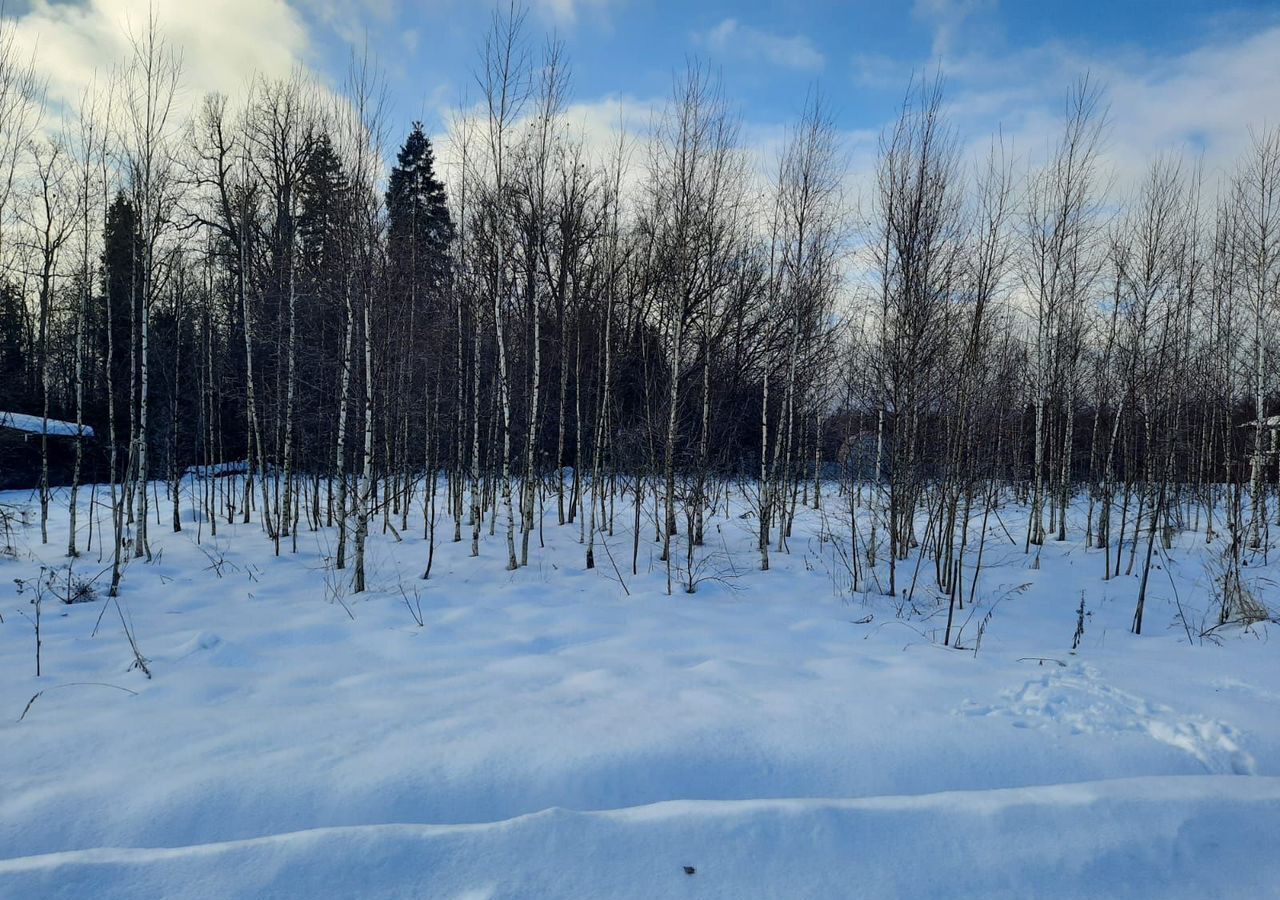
(1175,837)
(546,734)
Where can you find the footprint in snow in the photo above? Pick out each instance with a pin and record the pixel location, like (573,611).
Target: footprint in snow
(1077,699)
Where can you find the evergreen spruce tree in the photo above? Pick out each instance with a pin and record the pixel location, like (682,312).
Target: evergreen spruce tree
(121,294)
(420,227)
(15,389)
(323,272)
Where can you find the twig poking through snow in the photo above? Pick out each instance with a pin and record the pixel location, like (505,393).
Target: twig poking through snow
(36,696)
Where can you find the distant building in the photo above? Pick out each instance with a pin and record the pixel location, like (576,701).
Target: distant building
(20,437)
(1270,433)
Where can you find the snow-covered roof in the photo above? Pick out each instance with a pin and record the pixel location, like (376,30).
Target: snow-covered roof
(1268,422)
(39,425)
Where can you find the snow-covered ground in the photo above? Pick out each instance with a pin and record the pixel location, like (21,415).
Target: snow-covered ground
(545,733)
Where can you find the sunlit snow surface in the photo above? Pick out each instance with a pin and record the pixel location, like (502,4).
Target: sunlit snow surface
(545,734)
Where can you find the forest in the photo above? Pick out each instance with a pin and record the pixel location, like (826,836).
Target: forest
(246,287)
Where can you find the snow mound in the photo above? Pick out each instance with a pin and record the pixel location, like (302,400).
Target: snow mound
(1213,834)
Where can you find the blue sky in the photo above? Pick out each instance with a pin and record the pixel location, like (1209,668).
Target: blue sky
(860,53)
(1179,74)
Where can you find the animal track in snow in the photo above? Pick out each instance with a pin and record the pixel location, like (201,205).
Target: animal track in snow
(1077,699)
(1235,685)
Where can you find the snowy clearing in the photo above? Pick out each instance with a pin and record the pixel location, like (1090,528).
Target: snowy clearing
(545,734)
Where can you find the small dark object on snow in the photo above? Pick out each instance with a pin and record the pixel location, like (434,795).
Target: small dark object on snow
(689,870)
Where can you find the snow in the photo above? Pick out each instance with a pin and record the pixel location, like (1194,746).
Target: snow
(1212,836)
(545,734)
(39,425)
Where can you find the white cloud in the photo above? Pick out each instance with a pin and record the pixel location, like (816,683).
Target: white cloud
(222,42)
(569,12)
(597,124)
(732,38)
(1201,102)
(948,18)
(351,19)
